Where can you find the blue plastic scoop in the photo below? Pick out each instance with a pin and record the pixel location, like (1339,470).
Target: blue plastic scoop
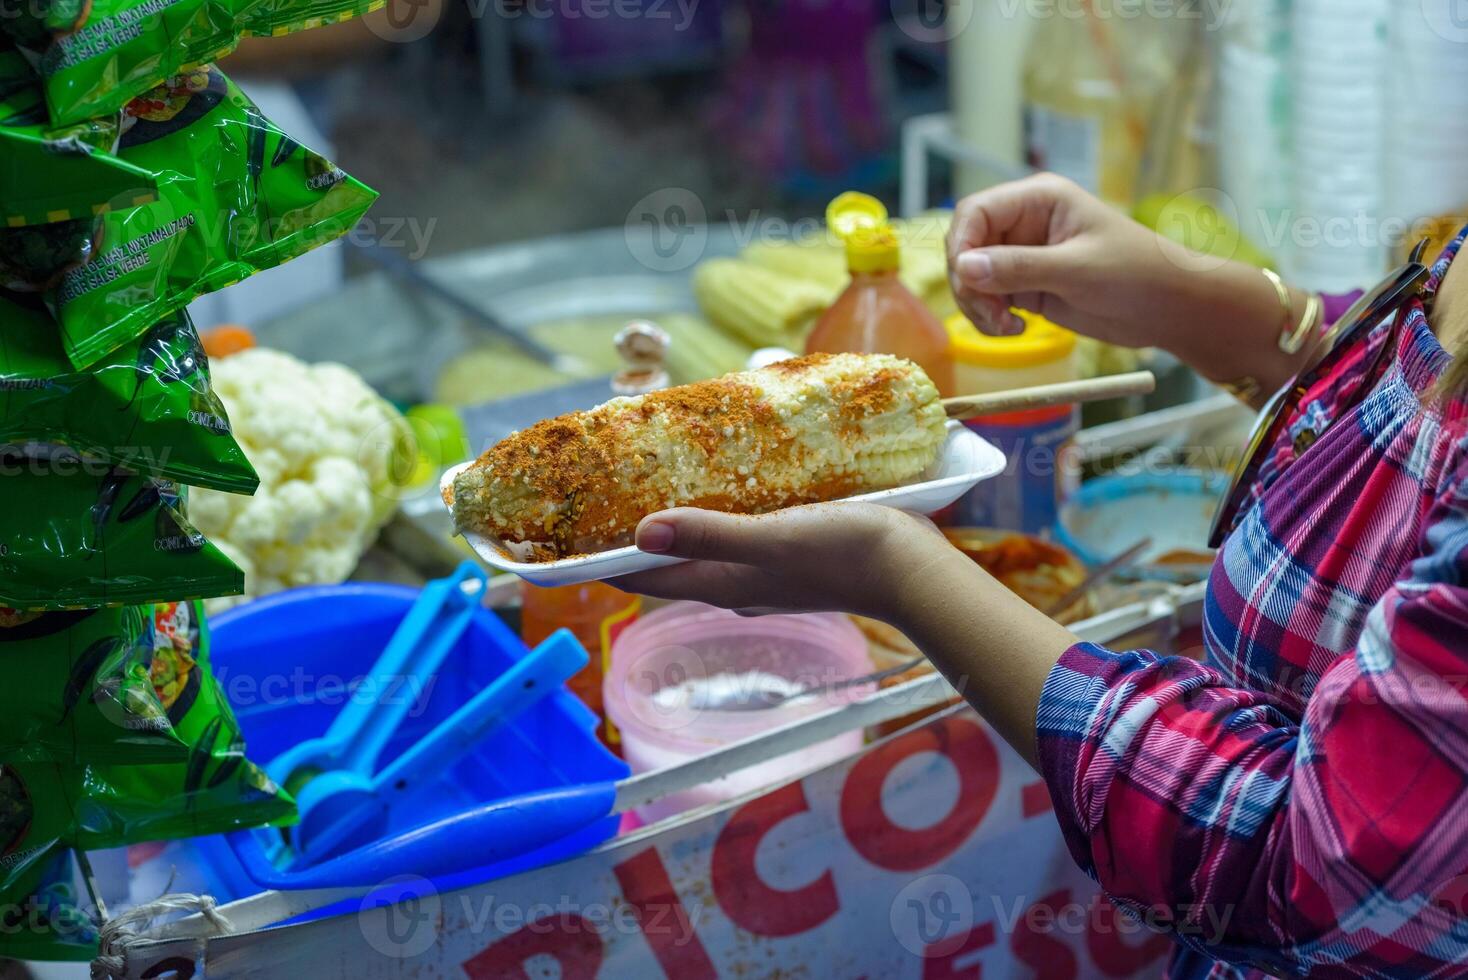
(439,616)
(346,809)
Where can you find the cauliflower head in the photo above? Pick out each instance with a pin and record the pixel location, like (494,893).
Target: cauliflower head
(331,454)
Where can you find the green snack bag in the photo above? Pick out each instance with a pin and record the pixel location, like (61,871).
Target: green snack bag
(55,183)
(71,537)
(47,921)
(236,195)
(148,406)
(216,789)
(47,806)
(81,687)
(38,800)
(95,55)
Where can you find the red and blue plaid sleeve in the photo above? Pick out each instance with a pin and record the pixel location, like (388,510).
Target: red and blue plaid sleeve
(1329,842)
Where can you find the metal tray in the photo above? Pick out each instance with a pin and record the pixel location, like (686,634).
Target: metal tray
(399,341)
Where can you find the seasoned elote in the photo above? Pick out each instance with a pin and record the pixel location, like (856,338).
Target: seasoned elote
(804,430)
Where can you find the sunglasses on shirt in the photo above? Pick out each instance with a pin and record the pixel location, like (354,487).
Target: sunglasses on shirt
(1385,299)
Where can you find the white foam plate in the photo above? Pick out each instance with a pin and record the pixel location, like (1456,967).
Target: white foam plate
(966,460)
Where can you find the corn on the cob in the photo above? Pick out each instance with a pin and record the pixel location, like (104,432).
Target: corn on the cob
(815,259)
(765,307)
(924,255)
(698,350)
(808,429)
(822,260)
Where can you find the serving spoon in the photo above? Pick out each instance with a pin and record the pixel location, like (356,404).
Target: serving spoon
(761,699)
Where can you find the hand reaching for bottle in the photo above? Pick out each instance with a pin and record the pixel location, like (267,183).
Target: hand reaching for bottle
(1046,245)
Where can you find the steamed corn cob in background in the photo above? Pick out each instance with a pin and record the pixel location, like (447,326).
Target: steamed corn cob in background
(772,294)
(697,350)
(925,259)
(765,307)
(803,430)
(812,259)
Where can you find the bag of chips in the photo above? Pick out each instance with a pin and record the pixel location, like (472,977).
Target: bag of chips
(43,918)
(235,196)
(56,183)
(47,806)
(73,537)
(38,799)
(216,788)
(95,55)
(148,406)
(81,687)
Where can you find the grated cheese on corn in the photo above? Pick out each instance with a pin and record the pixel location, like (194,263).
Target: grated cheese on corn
(804,430)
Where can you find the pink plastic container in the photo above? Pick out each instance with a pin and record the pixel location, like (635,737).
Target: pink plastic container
(666,666)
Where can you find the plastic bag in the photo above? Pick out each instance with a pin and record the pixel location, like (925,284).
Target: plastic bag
(56,181)
(43,917)
(48,806)
(236,195)
(73,537)
(148,406)
(38,800)
(95,55)
(216,788)
(81,688)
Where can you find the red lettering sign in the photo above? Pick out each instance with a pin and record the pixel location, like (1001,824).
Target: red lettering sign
(1035,800)
(569,939)
(662,917)
(1035,943)
(746,900)
(895,848)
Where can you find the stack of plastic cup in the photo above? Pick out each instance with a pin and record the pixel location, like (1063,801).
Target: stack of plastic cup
(1334,237)
(1426,163)
(1253,117)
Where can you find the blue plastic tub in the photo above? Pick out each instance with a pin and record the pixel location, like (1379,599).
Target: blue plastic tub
(285,662)
(1109,514)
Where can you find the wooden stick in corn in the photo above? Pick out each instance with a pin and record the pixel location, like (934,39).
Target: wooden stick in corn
(1047,396)
(804,430)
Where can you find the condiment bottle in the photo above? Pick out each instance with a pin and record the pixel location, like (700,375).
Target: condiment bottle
(595,612)
(1036,442)
(877,314)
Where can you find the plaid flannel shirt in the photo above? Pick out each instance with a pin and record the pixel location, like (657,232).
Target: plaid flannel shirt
(1298,804)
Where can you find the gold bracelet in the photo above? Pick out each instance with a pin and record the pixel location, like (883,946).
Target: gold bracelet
(1292,336)
(1309,325)
(1286,305)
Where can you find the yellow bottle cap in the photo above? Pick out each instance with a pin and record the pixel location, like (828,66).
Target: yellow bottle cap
(1041,342)
(860,222)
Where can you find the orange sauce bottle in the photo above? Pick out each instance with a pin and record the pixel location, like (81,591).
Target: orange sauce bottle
(877,314)
(596,614)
